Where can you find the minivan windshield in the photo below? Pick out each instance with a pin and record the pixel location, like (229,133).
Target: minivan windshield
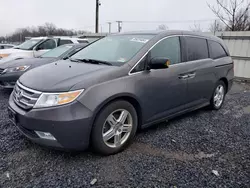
(117,49)
(56,52)
(27,45)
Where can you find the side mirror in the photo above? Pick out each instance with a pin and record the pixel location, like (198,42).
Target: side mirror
(159,63)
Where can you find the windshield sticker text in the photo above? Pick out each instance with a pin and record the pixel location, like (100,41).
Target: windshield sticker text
(139,40)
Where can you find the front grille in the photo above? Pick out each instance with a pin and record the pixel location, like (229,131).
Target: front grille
(24,97)
(1,71)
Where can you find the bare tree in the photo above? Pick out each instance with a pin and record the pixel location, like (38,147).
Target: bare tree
(216,26)
(162,27)
(196,28)
(44,30)
(233,13)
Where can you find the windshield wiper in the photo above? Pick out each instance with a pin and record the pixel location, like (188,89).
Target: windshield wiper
(93,61)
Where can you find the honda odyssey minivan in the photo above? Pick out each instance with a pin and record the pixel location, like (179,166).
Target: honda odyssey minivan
(124,82)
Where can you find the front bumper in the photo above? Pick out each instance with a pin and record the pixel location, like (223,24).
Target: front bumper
(9,80)
(69,124)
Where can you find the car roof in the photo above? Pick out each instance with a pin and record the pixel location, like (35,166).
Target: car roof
(171,32)
(57,37)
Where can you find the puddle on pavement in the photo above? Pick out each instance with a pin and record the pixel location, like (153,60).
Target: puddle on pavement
(178,155)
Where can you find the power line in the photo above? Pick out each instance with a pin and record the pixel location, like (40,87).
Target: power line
(170,21)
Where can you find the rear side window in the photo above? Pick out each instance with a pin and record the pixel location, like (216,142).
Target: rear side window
(62,42)
(216,50)
(196,48)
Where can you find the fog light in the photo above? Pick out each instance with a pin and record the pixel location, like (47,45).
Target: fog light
(45,135)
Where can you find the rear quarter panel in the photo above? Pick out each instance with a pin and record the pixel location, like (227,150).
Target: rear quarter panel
(224,68)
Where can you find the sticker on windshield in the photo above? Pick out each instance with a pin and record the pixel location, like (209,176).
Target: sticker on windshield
(139,40)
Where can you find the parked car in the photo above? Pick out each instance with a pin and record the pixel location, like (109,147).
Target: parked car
(12,70)
(108,90)
(36,47)
(6,46)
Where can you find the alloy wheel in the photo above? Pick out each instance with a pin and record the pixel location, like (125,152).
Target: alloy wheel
(219,96)
(117,128)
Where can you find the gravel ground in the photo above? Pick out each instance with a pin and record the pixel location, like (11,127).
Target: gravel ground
(201,149)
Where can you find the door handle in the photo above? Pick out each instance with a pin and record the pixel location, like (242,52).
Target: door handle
(183,77)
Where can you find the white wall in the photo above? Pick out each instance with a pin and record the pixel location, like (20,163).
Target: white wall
(239,47)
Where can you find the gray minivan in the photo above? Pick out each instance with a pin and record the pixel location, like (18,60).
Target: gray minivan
(124,82)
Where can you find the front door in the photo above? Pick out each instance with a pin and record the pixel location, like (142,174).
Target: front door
(44,47)
(162,92)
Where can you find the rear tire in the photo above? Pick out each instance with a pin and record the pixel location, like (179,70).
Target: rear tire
(218,97)
(114,128)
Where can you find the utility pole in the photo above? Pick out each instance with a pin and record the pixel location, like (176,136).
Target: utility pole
(119,26)
(97,15)
(109,27)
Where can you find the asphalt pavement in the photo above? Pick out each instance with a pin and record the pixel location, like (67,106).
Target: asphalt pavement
(200,149)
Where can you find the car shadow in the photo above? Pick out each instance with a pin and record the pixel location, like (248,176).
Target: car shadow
(89,153)
(5,92)
(171,122)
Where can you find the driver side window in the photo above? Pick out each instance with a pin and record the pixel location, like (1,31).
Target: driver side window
(169,48)
(47,45)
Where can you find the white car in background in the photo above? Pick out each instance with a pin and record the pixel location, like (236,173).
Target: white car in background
(35,47)
(6,46)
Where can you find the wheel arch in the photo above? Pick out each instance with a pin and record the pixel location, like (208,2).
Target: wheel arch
(224,79)
(126,97)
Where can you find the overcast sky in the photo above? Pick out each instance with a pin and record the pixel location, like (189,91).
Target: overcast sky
(80,14)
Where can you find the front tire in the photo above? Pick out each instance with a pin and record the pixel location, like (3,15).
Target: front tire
(218,97)
(114,128)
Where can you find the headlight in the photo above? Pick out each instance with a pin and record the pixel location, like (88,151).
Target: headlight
(16,69)
(4,55)
(55,99)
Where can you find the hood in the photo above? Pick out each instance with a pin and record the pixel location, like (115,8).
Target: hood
(33,62)
(15,54)
(10,51)
(63,75)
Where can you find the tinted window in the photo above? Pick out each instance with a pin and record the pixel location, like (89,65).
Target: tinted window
(47,45)
(216,50)
(62,42)
(140,66)
(169,48)
(196,48)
